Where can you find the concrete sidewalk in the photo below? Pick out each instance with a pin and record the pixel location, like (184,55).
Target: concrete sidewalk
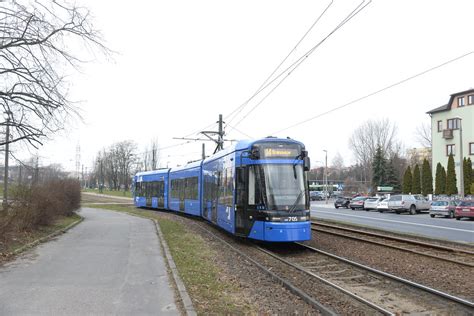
(111,263)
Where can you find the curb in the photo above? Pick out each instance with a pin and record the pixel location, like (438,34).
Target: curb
(187,303)
(46,238)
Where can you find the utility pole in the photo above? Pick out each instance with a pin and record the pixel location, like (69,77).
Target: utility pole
(461,160)
(101,180)
(5,178)
(19,175)
(326,176)
(220,136)
(203,151)
(209,134)
(36,171)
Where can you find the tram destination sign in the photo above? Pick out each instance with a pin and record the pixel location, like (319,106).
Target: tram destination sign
(285,152)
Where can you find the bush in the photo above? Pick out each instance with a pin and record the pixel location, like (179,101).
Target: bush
(40,205)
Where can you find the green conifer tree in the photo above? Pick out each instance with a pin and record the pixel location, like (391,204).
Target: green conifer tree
(416,180)
(427,178)
(392,179)
(379,168)
(467,170)
(451,186)
(443,180)
(438,183)
(407,181)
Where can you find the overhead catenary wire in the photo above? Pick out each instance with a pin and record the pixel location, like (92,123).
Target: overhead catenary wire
(376,91)
(232,115)
(289,70)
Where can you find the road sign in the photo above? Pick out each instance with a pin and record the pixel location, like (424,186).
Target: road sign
(380,189)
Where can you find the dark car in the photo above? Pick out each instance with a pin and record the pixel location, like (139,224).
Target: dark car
(358,202)
(342,202)
(315,196)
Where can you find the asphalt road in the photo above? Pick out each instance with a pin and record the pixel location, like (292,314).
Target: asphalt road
(111,263)
(420,224)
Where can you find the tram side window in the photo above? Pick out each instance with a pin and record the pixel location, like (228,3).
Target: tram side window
(191,188)
(182,188)
(226,187)
(137,189)
(160,188)
(175,189)
(255,186)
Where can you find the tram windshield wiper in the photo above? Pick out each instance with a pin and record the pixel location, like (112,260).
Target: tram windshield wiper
(293,207)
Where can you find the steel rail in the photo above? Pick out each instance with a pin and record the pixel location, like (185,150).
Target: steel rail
(411,241)
(390,246)
(349,293)
(393,277)
(324,310)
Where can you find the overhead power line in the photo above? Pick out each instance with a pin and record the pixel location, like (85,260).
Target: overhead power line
(231,116)
(376,92)
(289,70)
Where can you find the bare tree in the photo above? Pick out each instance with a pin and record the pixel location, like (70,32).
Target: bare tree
(113,166)
(423,134)
(151,156)
(36,55)
(370,135)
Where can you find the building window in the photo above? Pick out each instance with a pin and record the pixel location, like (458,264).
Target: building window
(471,148)
(450,149)
(440,126)
(453,123)
(460,101)
(470,99)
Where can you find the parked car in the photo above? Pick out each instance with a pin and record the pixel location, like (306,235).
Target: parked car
(315,196)
(443,207)
(342,202)
(382,206)
(358,202)
(371,203)
(408,203)
(464,209)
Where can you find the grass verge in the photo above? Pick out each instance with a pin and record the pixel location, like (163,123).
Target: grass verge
(111,192)
(20,239)
(210,290)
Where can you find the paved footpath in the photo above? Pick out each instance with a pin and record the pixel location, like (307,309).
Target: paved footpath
(111,263)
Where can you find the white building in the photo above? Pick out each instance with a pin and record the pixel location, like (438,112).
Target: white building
(447,122)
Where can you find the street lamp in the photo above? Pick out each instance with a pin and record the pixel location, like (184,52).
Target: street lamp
(326,176)
(6,115)
(461,161)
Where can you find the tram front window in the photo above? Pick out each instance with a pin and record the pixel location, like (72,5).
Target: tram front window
(277,186)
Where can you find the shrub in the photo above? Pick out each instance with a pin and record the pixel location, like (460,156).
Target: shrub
(41,204)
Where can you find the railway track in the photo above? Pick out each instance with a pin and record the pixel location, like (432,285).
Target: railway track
(386,293)
(376,291)
(450,254)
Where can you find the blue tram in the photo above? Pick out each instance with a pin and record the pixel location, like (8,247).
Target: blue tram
(255,189)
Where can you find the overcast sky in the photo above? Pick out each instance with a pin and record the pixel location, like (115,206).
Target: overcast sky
(179,64)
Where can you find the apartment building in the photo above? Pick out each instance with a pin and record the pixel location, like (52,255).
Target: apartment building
(449,124)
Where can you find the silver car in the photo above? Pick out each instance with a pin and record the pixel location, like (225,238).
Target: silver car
(443,208)
(371,203)
(408,203)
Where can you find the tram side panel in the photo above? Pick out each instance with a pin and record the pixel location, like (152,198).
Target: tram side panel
(184,191)
(218,192)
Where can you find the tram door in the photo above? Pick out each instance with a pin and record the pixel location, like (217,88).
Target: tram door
(148,193)
(242,222)
(215,197)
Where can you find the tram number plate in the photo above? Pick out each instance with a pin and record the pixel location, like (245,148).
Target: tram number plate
(465,210)
(292,219)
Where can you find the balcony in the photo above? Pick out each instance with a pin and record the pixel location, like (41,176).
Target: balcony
(447,133)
